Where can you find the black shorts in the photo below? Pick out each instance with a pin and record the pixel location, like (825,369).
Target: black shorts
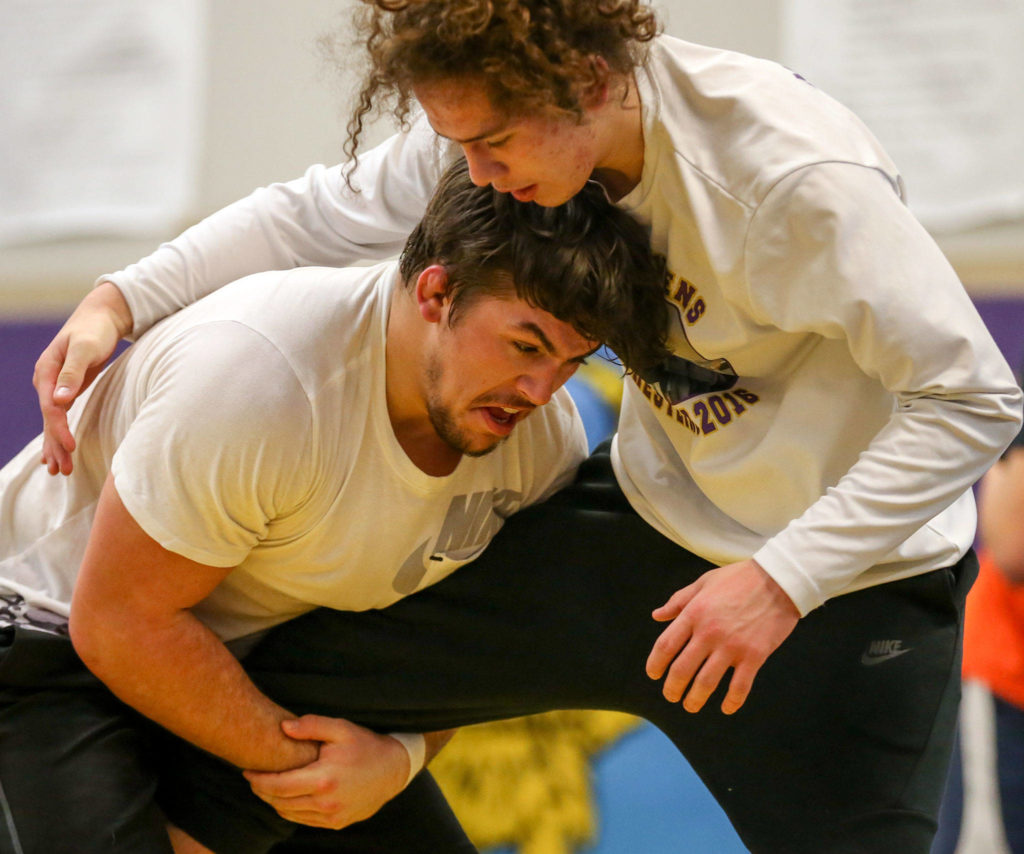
(80,774)
(75,762)
(837,749)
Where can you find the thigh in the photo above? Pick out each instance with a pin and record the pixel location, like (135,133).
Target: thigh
(830,753)
(844,743)
(74,776)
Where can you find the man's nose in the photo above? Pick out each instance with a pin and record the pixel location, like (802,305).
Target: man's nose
(483,167)
(538,386)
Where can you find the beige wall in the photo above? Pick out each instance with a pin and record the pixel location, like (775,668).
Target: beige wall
(990,260)
(273,107)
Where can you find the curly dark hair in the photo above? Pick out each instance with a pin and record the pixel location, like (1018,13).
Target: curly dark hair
(586,262)
(532,56)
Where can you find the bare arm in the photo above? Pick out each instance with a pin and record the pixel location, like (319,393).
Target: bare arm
(1001,514)
(131,626)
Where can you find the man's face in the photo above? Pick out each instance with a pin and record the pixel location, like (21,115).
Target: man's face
(500,360)
(536,159)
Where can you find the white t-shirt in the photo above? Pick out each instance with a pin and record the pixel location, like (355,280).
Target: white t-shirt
(858,393)
(251,430)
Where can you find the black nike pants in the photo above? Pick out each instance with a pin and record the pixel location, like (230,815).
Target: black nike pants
(841,746)
(80,773)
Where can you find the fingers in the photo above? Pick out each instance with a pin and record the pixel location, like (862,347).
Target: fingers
(55,396)
(695,669)
(69,364)
(285,784)
(56,458)
(311,818)
(85,357)
(739,688)
(67,387)
(669,644)
(316,728)
(694,663)
(694,666)
(58,443)
(304,796)
(676,602)
(689,661)
(314,810)
(44,377)
(709,673)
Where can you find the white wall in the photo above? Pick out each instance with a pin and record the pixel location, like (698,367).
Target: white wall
(273,107)
(749,26)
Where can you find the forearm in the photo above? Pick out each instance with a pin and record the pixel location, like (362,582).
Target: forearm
(925,458)
(180,675)
(313,220)
(223,247)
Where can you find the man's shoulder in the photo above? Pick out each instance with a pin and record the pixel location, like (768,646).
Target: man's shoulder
(297,310)
(306,326)
(739,124)
(307,294)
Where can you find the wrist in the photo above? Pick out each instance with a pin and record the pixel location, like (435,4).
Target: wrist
(106,298)
(416,747)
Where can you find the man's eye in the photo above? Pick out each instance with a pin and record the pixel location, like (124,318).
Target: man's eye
(498,143)
(523,347)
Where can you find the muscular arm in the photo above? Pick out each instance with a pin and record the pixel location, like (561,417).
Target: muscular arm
(131,626)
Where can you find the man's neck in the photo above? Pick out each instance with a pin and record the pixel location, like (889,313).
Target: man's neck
(426,450)
(621,167)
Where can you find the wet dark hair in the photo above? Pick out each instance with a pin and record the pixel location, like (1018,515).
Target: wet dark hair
(586,262)
(530,56)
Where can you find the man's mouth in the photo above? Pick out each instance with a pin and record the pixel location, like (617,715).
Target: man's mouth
(501,419)
(525,194)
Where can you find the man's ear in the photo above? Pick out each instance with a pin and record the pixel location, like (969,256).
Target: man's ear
(432,293)
(597,93)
